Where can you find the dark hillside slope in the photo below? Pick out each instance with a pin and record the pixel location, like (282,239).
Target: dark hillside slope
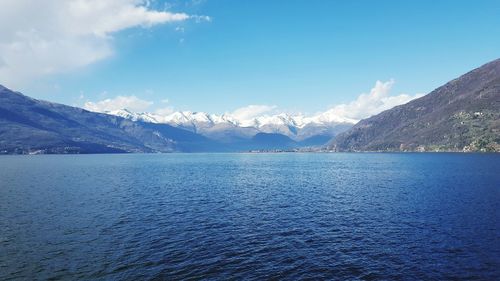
(31,126)
(463,115)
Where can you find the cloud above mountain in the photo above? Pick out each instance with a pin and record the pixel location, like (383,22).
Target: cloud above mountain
(131,103)
(374,102)
(251,111)
(45,37)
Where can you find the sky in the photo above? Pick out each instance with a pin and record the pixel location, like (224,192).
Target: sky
(225,55)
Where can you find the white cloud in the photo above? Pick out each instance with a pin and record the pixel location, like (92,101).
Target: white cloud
(367,105)
(131,103)
(199,19)
(164,111)
(45,37)
(251,111)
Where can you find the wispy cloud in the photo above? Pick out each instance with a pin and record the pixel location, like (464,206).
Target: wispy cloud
(164,111)
(251,111)
(131,103)
(45,37)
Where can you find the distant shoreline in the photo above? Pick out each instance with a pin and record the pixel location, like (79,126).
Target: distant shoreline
(260,152)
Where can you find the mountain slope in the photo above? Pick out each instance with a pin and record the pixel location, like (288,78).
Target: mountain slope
(463,115)
(272,141)
(31,126)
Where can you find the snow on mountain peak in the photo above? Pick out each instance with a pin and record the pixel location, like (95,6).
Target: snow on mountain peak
(279,123)
(127,114)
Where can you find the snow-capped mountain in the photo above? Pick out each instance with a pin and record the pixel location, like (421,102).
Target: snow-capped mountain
(227,126)
(144,117)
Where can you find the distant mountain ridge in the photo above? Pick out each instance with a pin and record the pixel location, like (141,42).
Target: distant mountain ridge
(219,127)
(462,115)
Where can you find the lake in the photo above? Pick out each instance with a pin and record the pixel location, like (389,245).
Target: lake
(366,216)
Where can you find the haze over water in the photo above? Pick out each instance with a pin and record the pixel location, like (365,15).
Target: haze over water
(255,216)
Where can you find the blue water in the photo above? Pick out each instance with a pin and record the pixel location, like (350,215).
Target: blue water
(250,216)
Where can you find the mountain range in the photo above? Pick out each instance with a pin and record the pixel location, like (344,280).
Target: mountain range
(29,125)
(315,130)
(462,115)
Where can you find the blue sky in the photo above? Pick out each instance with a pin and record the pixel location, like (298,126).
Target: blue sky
(298,55)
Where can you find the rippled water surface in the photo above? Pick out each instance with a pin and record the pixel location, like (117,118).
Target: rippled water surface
(251,216)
